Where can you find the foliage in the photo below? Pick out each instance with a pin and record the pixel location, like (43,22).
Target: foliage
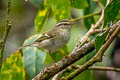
(12,68)
(42,15)
(111,11)
(79,4)
(89,9)
(100,39)
(61,9)
(35,59)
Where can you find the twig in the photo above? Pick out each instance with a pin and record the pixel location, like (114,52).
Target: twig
(7,29)
(98,68)
(76,54)
(108,1)
(58,75)
(94,27)
(99,3)
(26,0)
(86,16)
(96,58)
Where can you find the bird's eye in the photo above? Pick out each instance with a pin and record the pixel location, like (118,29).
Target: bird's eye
(65,24)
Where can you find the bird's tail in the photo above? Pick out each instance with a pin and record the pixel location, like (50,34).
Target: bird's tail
(20,48)
(32,45)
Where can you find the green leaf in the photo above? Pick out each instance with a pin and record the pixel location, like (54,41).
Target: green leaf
(111,11)
(37,3)
(58,55)
(117,17)
(61,9)
(100,39)
(12,68)
(86,75)
(80,4)
(90,9)
(42,15)
(48,60)
(103,2)
(35,59)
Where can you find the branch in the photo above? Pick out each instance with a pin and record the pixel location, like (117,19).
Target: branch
(56,67)
(97,57)
(86,16)
(76,54)
(94,27)
(99,68)
(7,29)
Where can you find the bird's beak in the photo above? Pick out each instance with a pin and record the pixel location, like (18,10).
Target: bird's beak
(73,22)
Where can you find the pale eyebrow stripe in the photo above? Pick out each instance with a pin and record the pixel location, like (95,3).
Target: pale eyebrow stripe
(46,35)
(62,23)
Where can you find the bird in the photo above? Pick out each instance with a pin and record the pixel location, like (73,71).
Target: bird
(55,38)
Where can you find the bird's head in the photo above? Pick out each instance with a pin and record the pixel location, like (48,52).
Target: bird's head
(65,24)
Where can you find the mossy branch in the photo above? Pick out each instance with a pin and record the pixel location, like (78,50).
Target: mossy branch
(7,29)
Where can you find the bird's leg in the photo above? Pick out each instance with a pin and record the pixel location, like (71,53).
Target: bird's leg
(50,52)
(66,56)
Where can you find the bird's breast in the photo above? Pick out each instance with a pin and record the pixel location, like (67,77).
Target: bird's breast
(65,36)
(62,40)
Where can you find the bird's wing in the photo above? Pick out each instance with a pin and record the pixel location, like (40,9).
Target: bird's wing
(49,35)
